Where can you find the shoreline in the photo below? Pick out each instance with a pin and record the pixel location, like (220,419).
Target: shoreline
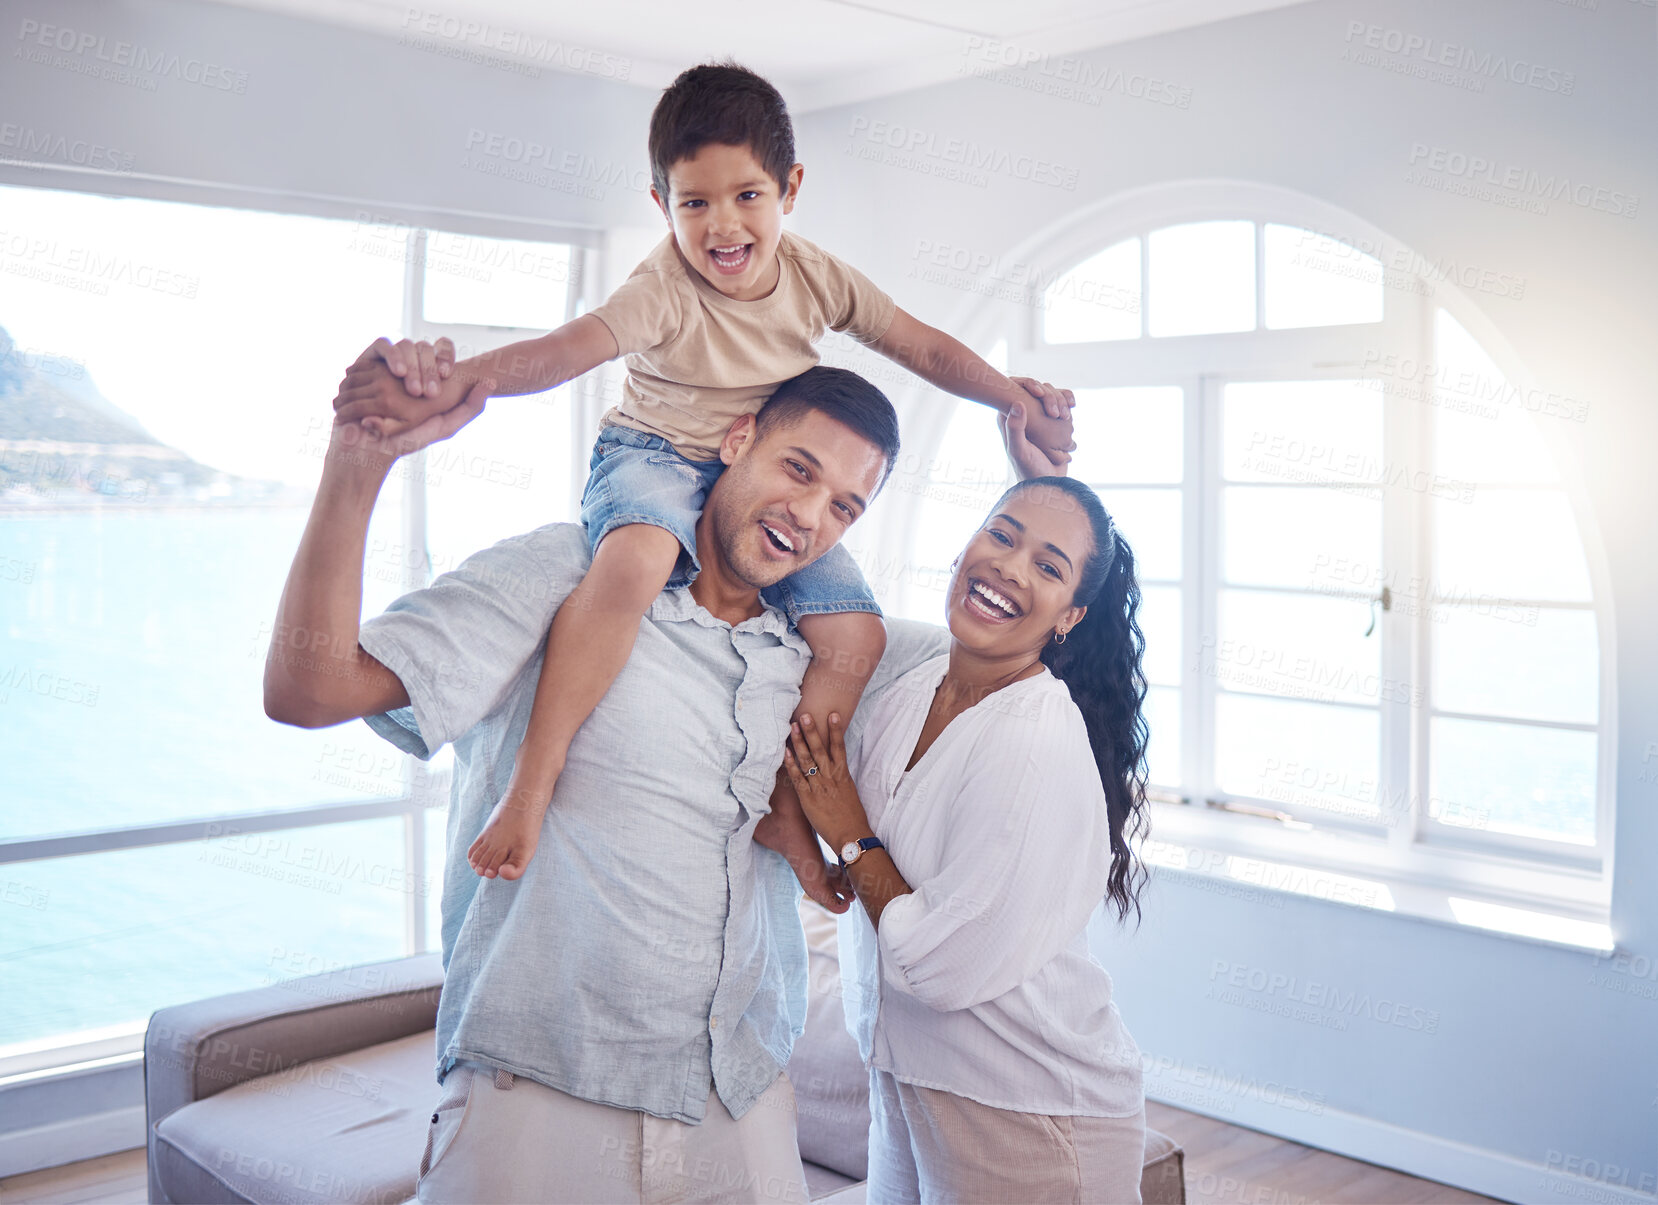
(96,508)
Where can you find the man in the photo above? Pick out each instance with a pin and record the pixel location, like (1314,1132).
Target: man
(614,1024)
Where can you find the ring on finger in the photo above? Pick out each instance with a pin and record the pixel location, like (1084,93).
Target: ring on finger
(810,770)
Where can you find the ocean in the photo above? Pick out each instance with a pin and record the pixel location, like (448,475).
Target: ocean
(130,671)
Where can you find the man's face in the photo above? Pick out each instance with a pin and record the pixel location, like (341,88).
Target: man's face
(787,498)
(726,213)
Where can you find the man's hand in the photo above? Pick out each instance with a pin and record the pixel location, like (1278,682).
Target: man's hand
(1028,459)
(368,383)
(392,389)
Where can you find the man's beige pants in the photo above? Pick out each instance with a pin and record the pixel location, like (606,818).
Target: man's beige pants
(500,1138)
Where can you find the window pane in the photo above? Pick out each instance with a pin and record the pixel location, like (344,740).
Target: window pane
(1316,281)
(505,474)
(1162,714)
(1484,431)
(108,938)
(1150,521)
(1301,754)
(1203,278)
(1505,778)
(1130,435)
(1503,449)
(1508,544)
(1305,648)
(1096,300)
(969,455)
(1482,434)
(179,341)
(147,576)
(496,281)
(1531,663)
(1160,622)
(1301,431)
(124,642)
(957,486)
(1273,536)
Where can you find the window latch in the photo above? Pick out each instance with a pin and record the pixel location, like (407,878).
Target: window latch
(1386,599)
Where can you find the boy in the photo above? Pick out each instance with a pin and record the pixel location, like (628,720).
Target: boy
(721,312)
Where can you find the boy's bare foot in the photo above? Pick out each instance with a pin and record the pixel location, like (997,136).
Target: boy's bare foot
(794,839)
(508,841)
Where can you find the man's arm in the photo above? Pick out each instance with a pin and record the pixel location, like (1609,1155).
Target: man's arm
(952,366)
(316,673)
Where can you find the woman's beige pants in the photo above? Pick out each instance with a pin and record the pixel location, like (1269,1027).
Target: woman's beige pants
(937,1148)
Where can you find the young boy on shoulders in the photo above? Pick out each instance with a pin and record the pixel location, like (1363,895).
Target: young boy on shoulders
(726,308)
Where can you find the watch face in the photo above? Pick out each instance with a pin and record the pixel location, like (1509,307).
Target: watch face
(851,851)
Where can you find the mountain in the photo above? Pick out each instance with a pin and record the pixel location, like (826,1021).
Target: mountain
(63,442)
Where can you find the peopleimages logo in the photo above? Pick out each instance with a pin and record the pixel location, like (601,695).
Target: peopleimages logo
(910,146)
(1311,1000)
(1462,58)
(113,54)
(49,146)
(1523,182)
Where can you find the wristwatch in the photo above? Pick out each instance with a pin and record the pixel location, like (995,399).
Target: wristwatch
(853,850)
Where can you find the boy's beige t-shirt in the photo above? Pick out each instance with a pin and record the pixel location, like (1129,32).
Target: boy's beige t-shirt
(697,360)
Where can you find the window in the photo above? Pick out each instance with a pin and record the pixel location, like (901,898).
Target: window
(1368,604)
(164,386)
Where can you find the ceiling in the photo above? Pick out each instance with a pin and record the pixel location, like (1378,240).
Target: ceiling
(818,52)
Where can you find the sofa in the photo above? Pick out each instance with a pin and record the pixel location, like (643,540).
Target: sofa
(319,1090)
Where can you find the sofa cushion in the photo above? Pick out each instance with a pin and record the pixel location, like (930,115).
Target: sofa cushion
(344,1129)
(831,1085)
(822,1182)
(1163,1177)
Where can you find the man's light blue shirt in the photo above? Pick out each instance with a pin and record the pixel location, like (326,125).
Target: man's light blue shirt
(652,949)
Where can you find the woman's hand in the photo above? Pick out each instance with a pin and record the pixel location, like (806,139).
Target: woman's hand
(827,794)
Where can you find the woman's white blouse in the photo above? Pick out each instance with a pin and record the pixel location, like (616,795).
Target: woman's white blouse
(980,981)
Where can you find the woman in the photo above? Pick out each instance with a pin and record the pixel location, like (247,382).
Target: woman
(983,815)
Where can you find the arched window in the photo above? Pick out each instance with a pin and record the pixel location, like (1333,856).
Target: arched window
(1369,602)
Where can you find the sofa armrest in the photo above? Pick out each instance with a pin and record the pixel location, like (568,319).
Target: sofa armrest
(192,1051)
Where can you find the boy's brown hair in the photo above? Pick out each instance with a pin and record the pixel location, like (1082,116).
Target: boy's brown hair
(723,103)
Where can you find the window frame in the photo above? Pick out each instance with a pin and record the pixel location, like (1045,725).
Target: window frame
(1422,861)
(424,788)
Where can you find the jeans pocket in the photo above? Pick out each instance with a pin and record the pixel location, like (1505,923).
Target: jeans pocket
(1061,1130)
(447,1117)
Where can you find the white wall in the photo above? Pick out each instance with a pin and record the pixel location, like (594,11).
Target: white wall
(1541,1055)
(322,119)
(1532,1061)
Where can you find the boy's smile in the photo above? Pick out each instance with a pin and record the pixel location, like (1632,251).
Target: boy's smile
(726,214)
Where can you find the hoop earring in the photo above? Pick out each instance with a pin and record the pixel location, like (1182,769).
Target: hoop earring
(1060,639)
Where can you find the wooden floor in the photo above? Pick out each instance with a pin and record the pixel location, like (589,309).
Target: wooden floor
(1225,1165)
(1229,1165)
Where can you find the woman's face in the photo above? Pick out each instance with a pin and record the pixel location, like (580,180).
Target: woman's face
(1014,582)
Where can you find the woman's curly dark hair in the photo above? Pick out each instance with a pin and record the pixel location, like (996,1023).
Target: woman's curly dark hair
(1100,662)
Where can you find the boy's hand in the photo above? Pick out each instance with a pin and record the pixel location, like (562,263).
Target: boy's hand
(1056,403)
(369,371)
(372,395)
(420,364)
(1049,431)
